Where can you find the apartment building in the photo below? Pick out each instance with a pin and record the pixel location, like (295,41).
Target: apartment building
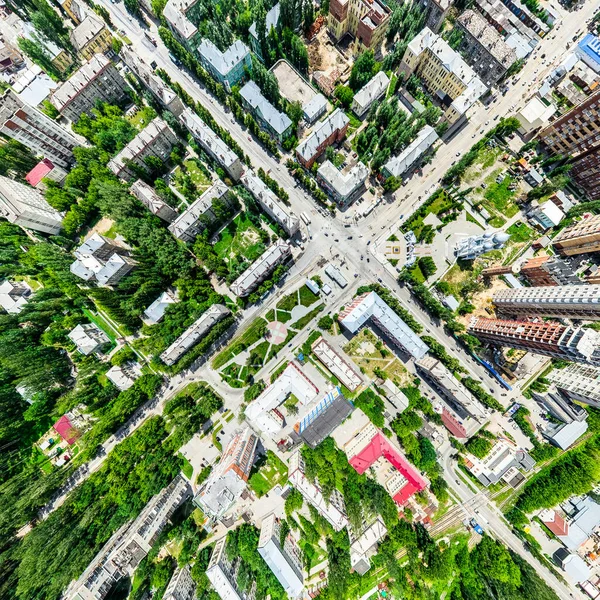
(569,301)
(545,338)
(76,9)
(579,382)
(181,16)
(152,201)
(261,268)
(559,405)
(97,80)
(88,338)
(271,21)
(222,574)
(156,139)
(370,93)
(26,207)
(330,131)
(34,129)
(340,367)
(581,238)
(200,213)
(91,37)
(487,52)
(181,585)
(194,333)
(396,166)
(444,73)
(549,270)
(365,20)
(436,12)
(276,123)
(212,144)
(226,67)
(344,187)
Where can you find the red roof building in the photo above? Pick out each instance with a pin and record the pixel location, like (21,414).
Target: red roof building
(554,522)
(44,169)
(66,430)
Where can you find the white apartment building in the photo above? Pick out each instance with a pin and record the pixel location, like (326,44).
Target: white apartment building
(88,338)
(369,93)
(34,129)
(181,586)
(578,382)
(398,165)
(337,365)
(222,574)
(152,201)
(26,207)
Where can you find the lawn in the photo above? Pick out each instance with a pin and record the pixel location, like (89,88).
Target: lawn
(254,332)
(521,232)
(306,319)
(215,441)
(142,117)
(103,324)
(186,467)
(272,472)
(288,302)
(501,198)
(239,238)
(196,173)
(307,297)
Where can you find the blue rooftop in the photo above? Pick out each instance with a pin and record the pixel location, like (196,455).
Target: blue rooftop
(589,48)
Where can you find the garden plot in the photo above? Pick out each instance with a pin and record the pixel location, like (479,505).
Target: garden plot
(240,240)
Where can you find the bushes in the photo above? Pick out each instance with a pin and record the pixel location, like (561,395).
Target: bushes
(478,446)
(372,405)
(481,395)
(452,364)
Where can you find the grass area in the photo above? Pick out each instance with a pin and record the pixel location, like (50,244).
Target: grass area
(521,232)
(198,176)
(252,334)
(186,467)
(103,324)
(230,416)
(355,122)
(472,219)
(142,117)
(307,297)
(416,272)
(239,238)
(271,473)
(302,322)
(498,196)
(392,85)
(288,302)
(215,441)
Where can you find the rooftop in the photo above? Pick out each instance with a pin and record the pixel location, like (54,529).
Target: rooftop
(334,122)
(344,183)
(279,121)
(223,62)
(589,48)
(397,165)
(156,311)
(86,31)
(175,13)
(271,20)
(39,172)
(374,89)
(338,366)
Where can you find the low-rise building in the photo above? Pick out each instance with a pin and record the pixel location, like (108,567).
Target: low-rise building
(97,80)
(212,144)
(588,51)
(26,207)
(181,585)
(564,435)
(88,338)
(276,123)
(45,169)
(194,333)
(124,376)
(398,165)
(226,67)
(200,213)
(14,295)
(68,428)
(330,131)
(180,16)
(534,115)
(91,37)
(346,187)
(147,195)
(156,311)
(315,108)
(547,215)
(473,246)
(436,12)
(76,9)
(156,139)
(336,364)
(261,268)
(271,21)
(372,91)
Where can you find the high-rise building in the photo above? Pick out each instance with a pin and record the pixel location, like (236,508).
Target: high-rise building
(581,238)
(549,270)
(545,338)
(181,586)
(222,573)
(284,557)
(25,206)
(578,382)
(570,301)
(35,130)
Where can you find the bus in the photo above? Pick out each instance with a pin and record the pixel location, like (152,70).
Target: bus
(305,218)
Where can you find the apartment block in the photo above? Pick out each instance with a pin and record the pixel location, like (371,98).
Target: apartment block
(76,9)
(97,80)
(271,21)
(581,238)
(222,574)
(330,131)
(212,144)
(549,271)
(370,93)
(200,213)
(343,187)
(181,16)
(152,201)
(270,203)
(436,12)
(276,123)
(579,382)
(156,139)
(396,166)
(559,405)
(284,557)
(261,268)
(14,295)
(228,67)
(91,37)
(181,586)
(485,49)
(34,129)
(444,73)
(546,338)
(569,301)
(366,21)
(26,207)
(340,367)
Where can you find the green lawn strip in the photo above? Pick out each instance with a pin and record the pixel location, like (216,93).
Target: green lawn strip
(103,324)
(186,467)
(278,371)
(229,417)
(276,349)
(215,441)
(521,232)
(252,334)
(288,302)
(307,297)
(306,319)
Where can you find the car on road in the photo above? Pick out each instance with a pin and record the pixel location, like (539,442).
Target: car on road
(380,280)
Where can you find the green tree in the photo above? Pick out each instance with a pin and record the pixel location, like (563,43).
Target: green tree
(345,95)
(363,70)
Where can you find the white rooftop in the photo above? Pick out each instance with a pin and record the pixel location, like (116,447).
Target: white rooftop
(344,183)
(278,120)
(223,62)
(338,366)
(156,311)
(124,376)
(13,296)
(87,337)
(174,13)
(370,92)
(397,165)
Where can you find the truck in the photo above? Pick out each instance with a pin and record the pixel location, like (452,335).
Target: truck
(476,526)
(304,216)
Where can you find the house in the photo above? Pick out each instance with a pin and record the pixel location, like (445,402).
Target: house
(276,123)
(156,311)
(88,338)
(67,430)
(371,92)
(45,169)
(330,131)
(91,37)
(226,67)
(14,295)
(124,376)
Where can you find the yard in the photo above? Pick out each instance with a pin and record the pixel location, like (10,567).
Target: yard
(142,117)
(521,232)
(270,473)
(239,239)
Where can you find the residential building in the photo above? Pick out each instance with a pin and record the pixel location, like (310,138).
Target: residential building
(33,86)
(124,551)
(91,37)
(588,51)
(549,270)
(181,16)
(331,508)
(270,203)
(11,59)
(156,311)
(330,131)
(485,49)
(372,91)
(535,114)
(222,574)
(370,307)
(67,427)
(315,108)
(97,80)
(161,92)
(88,338)
(200,213)
(444,73)
(512,19)
(545,338)
(14,295)
(366,21)
(579,382)
(276,123)
(436,12)
(263,412)
(461,413)
(586,78)
(226,67)
(152,201)
(476,245)
(34,129)
(45,169)
(573,565)
(398,165)
(261,268)
(194,333)
(369,450)
(76,9)
(228,478)
(581,238)
(343,187)
(546,215)
(284,557)
(99,260)
(124,376)
(181,585)
(570,301)
(533,177)
(212,144)
(271,22)
(559,405)
(364,542)
(26,207)
(564,435)
(156,139)
(338,366)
